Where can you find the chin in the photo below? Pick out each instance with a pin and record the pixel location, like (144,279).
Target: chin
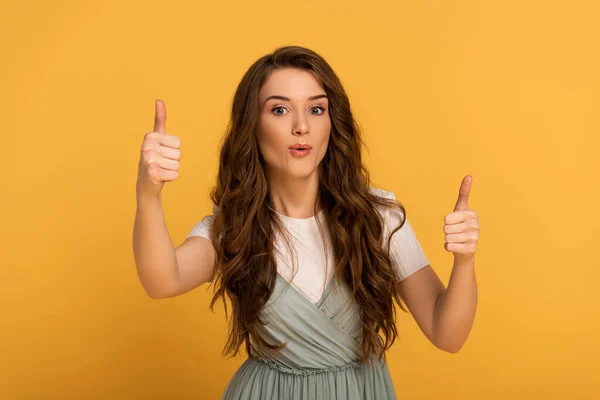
(302,174)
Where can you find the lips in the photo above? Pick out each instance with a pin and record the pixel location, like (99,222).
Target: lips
(301,147)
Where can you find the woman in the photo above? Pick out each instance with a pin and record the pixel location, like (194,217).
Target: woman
(311,257)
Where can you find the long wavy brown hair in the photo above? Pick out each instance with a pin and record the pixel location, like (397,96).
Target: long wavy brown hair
(244,225)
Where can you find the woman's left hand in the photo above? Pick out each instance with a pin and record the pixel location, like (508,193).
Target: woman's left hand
(462,226)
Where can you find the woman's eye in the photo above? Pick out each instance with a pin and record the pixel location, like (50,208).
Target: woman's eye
(319,108)
(277,108)
(283,109)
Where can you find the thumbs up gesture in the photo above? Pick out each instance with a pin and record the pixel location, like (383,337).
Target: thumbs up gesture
(160,155)
(462,226)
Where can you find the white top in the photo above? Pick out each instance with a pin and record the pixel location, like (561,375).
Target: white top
(313,274)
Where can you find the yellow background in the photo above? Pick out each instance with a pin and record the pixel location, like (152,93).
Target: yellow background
(504,91)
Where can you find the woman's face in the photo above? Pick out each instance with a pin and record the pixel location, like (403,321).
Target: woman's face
(293,110)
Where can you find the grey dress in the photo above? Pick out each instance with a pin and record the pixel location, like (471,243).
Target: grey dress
(321,359)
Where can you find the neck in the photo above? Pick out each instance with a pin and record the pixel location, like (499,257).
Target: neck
(294,197)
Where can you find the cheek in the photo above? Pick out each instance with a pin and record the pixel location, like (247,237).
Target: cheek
(265,134)
(271,132)
(325,137)
(323,150)
(270,143)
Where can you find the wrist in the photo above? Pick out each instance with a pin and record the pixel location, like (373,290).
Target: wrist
(144,196)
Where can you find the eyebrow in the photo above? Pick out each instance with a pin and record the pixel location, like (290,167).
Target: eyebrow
(319,96)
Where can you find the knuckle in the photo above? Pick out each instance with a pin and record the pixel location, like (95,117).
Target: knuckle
(150,162)
(151,135)
(147,147)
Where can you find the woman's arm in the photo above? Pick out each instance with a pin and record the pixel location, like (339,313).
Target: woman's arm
(445,315)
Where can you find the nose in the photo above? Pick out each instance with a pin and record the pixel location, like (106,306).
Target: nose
(300,127)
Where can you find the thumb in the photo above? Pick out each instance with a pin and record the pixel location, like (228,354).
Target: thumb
(462,204)
(160,117)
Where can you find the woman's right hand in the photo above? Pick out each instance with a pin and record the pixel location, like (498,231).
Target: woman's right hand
(159,158)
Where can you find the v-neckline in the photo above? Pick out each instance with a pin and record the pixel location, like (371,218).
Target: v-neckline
(299,293)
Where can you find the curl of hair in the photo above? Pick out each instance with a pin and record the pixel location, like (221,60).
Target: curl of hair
(244,225)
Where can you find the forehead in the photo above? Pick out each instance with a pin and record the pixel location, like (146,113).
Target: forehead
(291,82)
